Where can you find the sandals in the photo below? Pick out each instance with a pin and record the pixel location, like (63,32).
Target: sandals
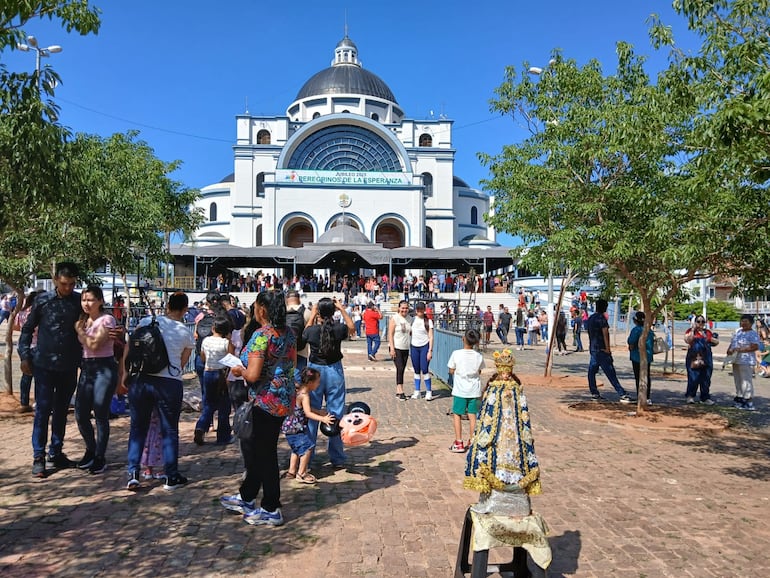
(306,478)
(288,474)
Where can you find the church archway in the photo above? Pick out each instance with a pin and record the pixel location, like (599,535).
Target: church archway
(297,234)
(390,235)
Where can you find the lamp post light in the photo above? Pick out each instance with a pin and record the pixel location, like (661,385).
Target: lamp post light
(40,52)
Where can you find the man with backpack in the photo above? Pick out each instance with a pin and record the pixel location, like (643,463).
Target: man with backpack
(204,326)
(160,389)
(297,317)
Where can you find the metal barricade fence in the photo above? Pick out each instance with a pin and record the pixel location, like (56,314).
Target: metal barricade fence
(444,343)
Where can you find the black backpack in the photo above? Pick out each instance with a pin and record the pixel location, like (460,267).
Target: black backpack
(295,319)
(147,351)
(238,318)
(204,328)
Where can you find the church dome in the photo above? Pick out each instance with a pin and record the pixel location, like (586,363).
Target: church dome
(346,76)
(346,79)
(344,234)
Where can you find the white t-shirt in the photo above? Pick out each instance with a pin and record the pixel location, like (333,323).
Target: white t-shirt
(215,348)
(467,364)
(419,335)
(743,339)
(177,338)
(402,332)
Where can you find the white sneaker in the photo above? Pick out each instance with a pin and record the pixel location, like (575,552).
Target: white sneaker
(428,395)
(416,394)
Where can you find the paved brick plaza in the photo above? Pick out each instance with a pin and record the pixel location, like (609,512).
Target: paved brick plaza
(619,501)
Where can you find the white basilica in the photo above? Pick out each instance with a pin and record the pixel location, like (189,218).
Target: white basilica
(344,155)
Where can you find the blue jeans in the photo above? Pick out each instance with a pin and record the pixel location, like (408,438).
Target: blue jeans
(603,360)
(358,327)
(145,393)
(98,380)
(332,389)
(301,364)
(578,341)
(372,343)
(300,443)
(215,400)
(699,378)
(25,386)
(520,331)
(53,392)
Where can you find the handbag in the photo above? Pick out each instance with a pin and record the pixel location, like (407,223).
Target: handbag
(243,425)
(659,345)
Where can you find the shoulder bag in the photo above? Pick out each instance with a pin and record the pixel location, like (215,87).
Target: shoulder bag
(243,425)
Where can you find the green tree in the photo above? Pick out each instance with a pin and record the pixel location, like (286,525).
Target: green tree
(595,181)
(660,182)
(716,310)
(33,162)
(728,80)
(128,202)
(77,15)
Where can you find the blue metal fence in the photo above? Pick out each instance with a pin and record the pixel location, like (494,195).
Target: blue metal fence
(444,343)
(190,367)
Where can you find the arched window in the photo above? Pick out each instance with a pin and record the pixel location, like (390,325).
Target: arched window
(427,183)
(474,216)
(261,185)
(213,212)
(344,148)
(426,140)
(428,238)
(258,235)
(375,116)
(263,137)
(316,114)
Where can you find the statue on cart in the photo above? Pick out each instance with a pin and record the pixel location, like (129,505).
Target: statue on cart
(503,467)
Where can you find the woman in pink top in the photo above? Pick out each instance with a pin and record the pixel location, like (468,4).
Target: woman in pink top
(98,378)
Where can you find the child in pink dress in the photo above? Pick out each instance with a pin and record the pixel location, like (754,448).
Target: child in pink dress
(152,456)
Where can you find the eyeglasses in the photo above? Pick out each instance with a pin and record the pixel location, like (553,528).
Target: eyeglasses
(700,321)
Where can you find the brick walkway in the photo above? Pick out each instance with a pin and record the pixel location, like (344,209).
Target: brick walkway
(619,502)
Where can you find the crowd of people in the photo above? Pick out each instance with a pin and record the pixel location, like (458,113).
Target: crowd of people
(285,362)
(70,346)
(427,285)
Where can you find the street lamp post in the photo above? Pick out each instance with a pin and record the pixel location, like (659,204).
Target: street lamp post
(537,71)
(40,52)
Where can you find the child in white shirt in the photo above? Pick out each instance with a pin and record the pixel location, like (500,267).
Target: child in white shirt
(215,393)
(465,366)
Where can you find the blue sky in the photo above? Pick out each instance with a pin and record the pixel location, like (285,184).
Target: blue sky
(179,72)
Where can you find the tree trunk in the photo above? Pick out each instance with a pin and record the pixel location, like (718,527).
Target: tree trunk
(566,281)
(644,362)
(127,302)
